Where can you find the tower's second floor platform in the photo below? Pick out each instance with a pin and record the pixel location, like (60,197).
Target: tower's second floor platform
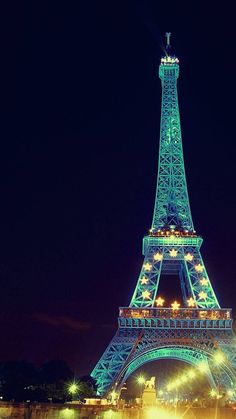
(167,241)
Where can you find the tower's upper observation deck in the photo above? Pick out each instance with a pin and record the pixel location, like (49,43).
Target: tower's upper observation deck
(169,67)
(169,60)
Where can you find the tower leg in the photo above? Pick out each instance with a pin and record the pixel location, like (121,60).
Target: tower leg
(112,362)
(199,283)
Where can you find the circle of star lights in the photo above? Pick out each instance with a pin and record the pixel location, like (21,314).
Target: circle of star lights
(158,256)
(188,257)
(159,302)
(144,280)
(191,302)
(202,295)
(199,268)
(146,295)
(173,253)
(147,266)
(175,305)
(203,281)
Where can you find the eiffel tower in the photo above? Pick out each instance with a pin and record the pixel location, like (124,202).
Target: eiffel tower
(199,333)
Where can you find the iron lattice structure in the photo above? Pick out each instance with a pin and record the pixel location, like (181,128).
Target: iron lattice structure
(201,328)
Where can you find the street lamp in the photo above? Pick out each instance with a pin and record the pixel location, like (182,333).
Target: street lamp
(218,359)
(73,389)
(114,397)
(141,381)
(213,392)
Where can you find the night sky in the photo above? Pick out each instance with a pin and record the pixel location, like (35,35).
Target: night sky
(80,122)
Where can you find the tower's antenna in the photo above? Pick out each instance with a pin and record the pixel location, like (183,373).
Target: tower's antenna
(168,35)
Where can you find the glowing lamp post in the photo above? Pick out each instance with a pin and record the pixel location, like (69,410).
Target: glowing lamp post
(114,397)
(218,359)
(141,381)
(213,393)
(73,389)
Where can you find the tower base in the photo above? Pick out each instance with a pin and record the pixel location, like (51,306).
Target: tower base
(149,397)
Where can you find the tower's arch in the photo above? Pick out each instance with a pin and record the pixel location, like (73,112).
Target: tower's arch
(191,356)
(187,355)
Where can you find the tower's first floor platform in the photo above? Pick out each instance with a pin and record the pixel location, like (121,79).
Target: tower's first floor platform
(167,318)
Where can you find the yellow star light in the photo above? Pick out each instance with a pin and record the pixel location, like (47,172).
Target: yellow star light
(191,302)
(144,280)
(160,301)
(188,257)
(202,295)
(203,281)
(158,256)
(199,268)
(147,266)
(173,253)
(175,305)
(146,294)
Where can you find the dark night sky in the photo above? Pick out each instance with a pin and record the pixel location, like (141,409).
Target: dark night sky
(79,145)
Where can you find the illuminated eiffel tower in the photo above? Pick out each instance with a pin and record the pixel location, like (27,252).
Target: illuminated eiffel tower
(199,333)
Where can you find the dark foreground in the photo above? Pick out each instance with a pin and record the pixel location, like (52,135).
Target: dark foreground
(51,411)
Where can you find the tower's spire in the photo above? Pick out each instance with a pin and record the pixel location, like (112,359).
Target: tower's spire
(168,35)
(168,45)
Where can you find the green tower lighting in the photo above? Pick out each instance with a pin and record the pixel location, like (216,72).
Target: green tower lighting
(197,331)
